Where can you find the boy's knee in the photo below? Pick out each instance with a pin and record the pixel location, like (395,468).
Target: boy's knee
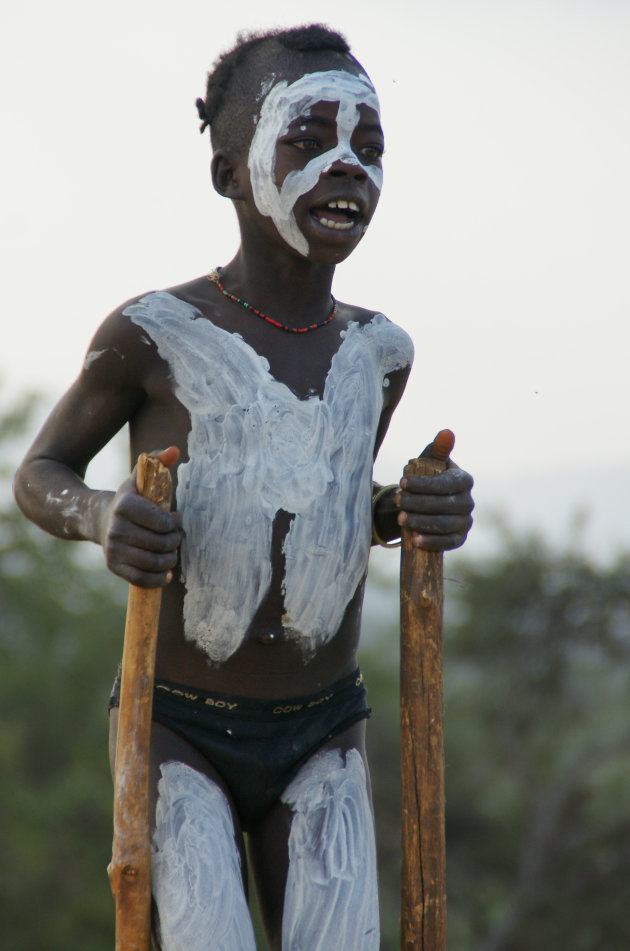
(196,868)
(331,896)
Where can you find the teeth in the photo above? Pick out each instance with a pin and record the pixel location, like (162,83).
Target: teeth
(336,225)
(350,205)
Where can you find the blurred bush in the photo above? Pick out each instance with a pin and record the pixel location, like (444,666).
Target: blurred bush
(61,620)
(537,693)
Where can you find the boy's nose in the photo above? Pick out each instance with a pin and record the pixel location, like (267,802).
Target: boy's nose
(347,167)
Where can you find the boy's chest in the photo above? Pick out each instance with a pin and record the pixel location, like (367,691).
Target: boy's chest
(301,363)
(299,398)
(217,367)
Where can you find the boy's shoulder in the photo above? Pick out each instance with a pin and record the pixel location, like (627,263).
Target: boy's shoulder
(190,292)
(380,326)
(360,315)
(121,346)
(118,325)
(365,315)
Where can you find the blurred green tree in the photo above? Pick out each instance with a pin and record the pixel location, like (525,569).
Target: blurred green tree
(537,693)
(538,752)
(60,638)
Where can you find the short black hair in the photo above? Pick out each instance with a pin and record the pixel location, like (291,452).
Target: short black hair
(231,89)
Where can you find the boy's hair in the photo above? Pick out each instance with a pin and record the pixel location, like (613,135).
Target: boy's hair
(230,93)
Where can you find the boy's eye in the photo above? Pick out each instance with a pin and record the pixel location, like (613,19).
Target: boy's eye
(306,144)
(372,152)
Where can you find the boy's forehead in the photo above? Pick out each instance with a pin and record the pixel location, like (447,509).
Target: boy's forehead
(278,64)
(295,96)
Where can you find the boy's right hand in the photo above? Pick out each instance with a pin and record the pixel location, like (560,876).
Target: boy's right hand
(140,540)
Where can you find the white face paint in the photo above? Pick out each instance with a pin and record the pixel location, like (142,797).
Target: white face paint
(255,448)
(196,868)
(282,105)
(331,898)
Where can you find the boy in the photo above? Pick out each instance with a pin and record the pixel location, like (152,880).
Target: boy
(259,708)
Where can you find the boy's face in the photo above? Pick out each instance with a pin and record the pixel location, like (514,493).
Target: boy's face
(315,160)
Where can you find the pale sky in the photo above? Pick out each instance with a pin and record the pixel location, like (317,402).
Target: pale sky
(501,243)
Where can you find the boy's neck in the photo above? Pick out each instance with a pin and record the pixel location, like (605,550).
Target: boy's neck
(295,291)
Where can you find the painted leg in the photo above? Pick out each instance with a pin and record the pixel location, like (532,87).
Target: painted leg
(331,897)
(196,867)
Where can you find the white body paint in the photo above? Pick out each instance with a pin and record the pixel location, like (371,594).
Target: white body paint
(91,357)
(331,898)
(95,355)
(195,867)
(255,448)
(282,105)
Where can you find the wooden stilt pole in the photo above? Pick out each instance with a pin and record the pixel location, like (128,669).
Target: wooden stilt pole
(423,891)
(130,868)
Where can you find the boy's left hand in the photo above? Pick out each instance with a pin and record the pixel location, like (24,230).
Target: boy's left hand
(437,508)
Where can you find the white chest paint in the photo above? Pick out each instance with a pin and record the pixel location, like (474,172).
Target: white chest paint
(255,448)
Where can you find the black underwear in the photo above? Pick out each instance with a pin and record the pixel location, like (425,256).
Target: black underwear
(257,746)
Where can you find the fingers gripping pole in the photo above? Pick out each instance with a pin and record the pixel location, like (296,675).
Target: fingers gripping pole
(130,868)
(423,887)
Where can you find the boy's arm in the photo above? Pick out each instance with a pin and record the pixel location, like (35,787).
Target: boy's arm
(139,540)
(438,509)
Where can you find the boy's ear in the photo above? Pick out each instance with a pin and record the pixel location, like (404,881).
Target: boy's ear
(223,169)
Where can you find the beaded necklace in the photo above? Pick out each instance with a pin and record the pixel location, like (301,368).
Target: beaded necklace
(215,277)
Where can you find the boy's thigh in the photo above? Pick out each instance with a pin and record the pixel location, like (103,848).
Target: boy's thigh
(197,865)
(314,854)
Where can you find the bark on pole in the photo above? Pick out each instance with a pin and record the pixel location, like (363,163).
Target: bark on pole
(130,867)
(423,887)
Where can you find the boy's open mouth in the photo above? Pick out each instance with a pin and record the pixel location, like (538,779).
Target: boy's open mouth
(339,215)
